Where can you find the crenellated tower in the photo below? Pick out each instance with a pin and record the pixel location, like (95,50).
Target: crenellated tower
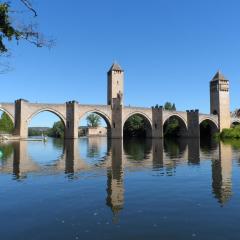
(220,100)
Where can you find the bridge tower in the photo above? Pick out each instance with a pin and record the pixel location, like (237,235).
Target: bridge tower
(220,100)
(115,83)
(115,99)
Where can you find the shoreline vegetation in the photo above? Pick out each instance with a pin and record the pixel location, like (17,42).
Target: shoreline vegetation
(57,131)
(229,133)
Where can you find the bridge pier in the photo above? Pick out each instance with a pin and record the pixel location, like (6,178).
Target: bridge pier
(71,126)
(193,123)
(157,122)
(21,124)
(117,118)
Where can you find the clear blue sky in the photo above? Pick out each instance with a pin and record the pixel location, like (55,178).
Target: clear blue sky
(169,49)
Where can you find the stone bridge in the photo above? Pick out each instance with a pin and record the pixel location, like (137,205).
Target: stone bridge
(21,112)
(116,114)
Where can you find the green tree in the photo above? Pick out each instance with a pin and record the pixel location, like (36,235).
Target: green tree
(34,132)
(230,133)
(171,127)
(57,131)
(135,126)
(170,106)
(6,124)
(174,107)
(93,120)
(10,31)
(6,151)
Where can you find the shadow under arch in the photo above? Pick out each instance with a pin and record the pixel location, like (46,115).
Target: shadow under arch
(51,111)
(103,116)
(137,125)
(175,126)
(235,123)
(208,128)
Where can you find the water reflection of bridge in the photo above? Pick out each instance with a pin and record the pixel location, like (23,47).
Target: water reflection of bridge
(119,158)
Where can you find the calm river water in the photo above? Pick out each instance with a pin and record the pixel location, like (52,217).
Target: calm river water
(93,188)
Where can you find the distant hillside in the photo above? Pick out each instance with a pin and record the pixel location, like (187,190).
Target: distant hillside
(39,129)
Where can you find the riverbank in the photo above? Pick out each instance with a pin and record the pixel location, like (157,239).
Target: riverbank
(4,138)
(230,133)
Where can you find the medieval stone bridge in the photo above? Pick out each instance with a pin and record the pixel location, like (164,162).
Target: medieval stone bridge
(22,111)
(116,114)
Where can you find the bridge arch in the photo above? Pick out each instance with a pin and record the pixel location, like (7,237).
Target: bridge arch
(8,113)
(57,113)
(178,116)
(146,125)
(235,122)
(139,113)
(59,123)
(210,118)
(8,122)
(208,127)
(181,130)
(100,113)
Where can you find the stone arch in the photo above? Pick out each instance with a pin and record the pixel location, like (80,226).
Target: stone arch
(8,113)
(177,116)
(213,121)
(61,117)
(102,115)
(183,127)
(147,121)
(235,122)
(144,115)
(208,127)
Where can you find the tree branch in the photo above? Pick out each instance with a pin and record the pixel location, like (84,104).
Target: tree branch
(28,4)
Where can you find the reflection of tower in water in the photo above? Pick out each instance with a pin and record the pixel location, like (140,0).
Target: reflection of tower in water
(222,174)
(115,187)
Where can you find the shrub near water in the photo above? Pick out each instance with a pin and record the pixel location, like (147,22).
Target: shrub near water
(230,133)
